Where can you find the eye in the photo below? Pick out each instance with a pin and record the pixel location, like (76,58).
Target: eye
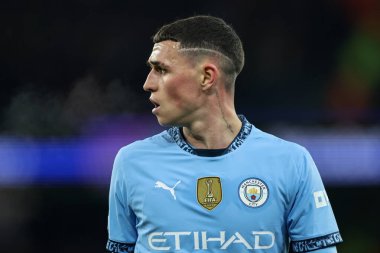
(157,67)
(160,70)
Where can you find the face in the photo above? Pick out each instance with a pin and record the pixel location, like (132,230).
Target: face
(174,84)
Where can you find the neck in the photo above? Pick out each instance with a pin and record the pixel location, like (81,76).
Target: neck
(213,131)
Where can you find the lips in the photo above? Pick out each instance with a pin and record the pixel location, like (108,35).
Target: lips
(156,105)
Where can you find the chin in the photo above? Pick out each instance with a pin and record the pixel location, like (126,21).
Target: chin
(165,122)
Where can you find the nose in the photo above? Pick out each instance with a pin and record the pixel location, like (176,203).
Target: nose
(150,84)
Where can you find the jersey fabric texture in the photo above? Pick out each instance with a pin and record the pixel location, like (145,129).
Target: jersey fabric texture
(261,194)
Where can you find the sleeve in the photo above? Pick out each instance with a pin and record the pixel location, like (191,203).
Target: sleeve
(311,222)
(121,219)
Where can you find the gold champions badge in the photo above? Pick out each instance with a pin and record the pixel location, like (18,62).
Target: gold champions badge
(209,192)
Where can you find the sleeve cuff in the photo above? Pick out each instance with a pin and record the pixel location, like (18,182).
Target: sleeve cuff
(316,243)
(119,247)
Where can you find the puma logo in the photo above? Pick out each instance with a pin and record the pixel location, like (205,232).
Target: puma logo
(162,185)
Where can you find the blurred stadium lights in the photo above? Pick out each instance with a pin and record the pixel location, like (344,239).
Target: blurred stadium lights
(343,157)
(86,159)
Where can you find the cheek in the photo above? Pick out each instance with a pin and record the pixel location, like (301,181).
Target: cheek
(175,95)
(182,93)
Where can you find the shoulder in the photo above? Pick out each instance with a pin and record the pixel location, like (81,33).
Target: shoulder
(146,146)
(280,152)
(275,144)
(141,152)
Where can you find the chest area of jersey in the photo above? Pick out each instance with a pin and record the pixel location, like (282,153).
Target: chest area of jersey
(210,210)
(218,207)
(210,193)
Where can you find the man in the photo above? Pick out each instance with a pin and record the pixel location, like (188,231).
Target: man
(212,182)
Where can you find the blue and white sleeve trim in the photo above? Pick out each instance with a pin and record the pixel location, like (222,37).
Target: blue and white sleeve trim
(119,247)
(316,243)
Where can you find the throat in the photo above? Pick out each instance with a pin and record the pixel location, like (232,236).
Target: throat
(211,137)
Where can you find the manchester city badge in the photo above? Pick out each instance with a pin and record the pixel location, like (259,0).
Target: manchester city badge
(209,192)
(253,192)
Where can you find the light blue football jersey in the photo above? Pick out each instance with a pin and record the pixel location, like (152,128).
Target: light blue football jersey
(261,194)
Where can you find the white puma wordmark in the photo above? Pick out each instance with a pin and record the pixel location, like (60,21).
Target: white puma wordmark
(162,185)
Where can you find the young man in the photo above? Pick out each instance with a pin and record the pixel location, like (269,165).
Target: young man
(212,182)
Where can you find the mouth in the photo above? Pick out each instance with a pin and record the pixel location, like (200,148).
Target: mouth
(156,105)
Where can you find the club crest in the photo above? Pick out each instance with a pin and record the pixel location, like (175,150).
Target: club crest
(253,192)
(209,192)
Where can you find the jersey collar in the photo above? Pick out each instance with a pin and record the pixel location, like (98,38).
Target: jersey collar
(177,136)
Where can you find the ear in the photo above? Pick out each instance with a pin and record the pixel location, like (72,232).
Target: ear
(209,75)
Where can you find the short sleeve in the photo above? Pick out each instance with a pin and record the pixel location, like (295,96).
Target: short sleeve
(311,222)
(121,219)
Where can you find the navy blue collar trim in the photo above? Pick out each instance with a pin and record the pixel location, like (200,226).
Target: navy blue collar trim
(176,134)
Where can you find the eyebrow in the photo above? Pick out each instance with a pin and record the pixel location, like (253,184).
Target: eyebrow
(156,64)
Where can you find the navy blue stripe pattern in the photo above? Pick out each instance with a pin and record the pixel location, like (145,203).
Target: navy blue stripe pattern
(119,247)
(317,243)
(245,130)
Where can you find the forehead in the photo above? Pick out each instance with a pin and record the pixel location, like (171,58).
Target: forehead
(165,51)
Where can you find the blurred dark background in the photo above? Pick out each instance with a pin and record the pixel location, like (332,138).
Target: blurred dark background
(71,76)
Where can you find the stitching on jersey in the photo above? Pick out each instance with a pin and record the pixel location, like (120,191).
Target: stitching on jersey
(175,133)
(317,243)
(120,247)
